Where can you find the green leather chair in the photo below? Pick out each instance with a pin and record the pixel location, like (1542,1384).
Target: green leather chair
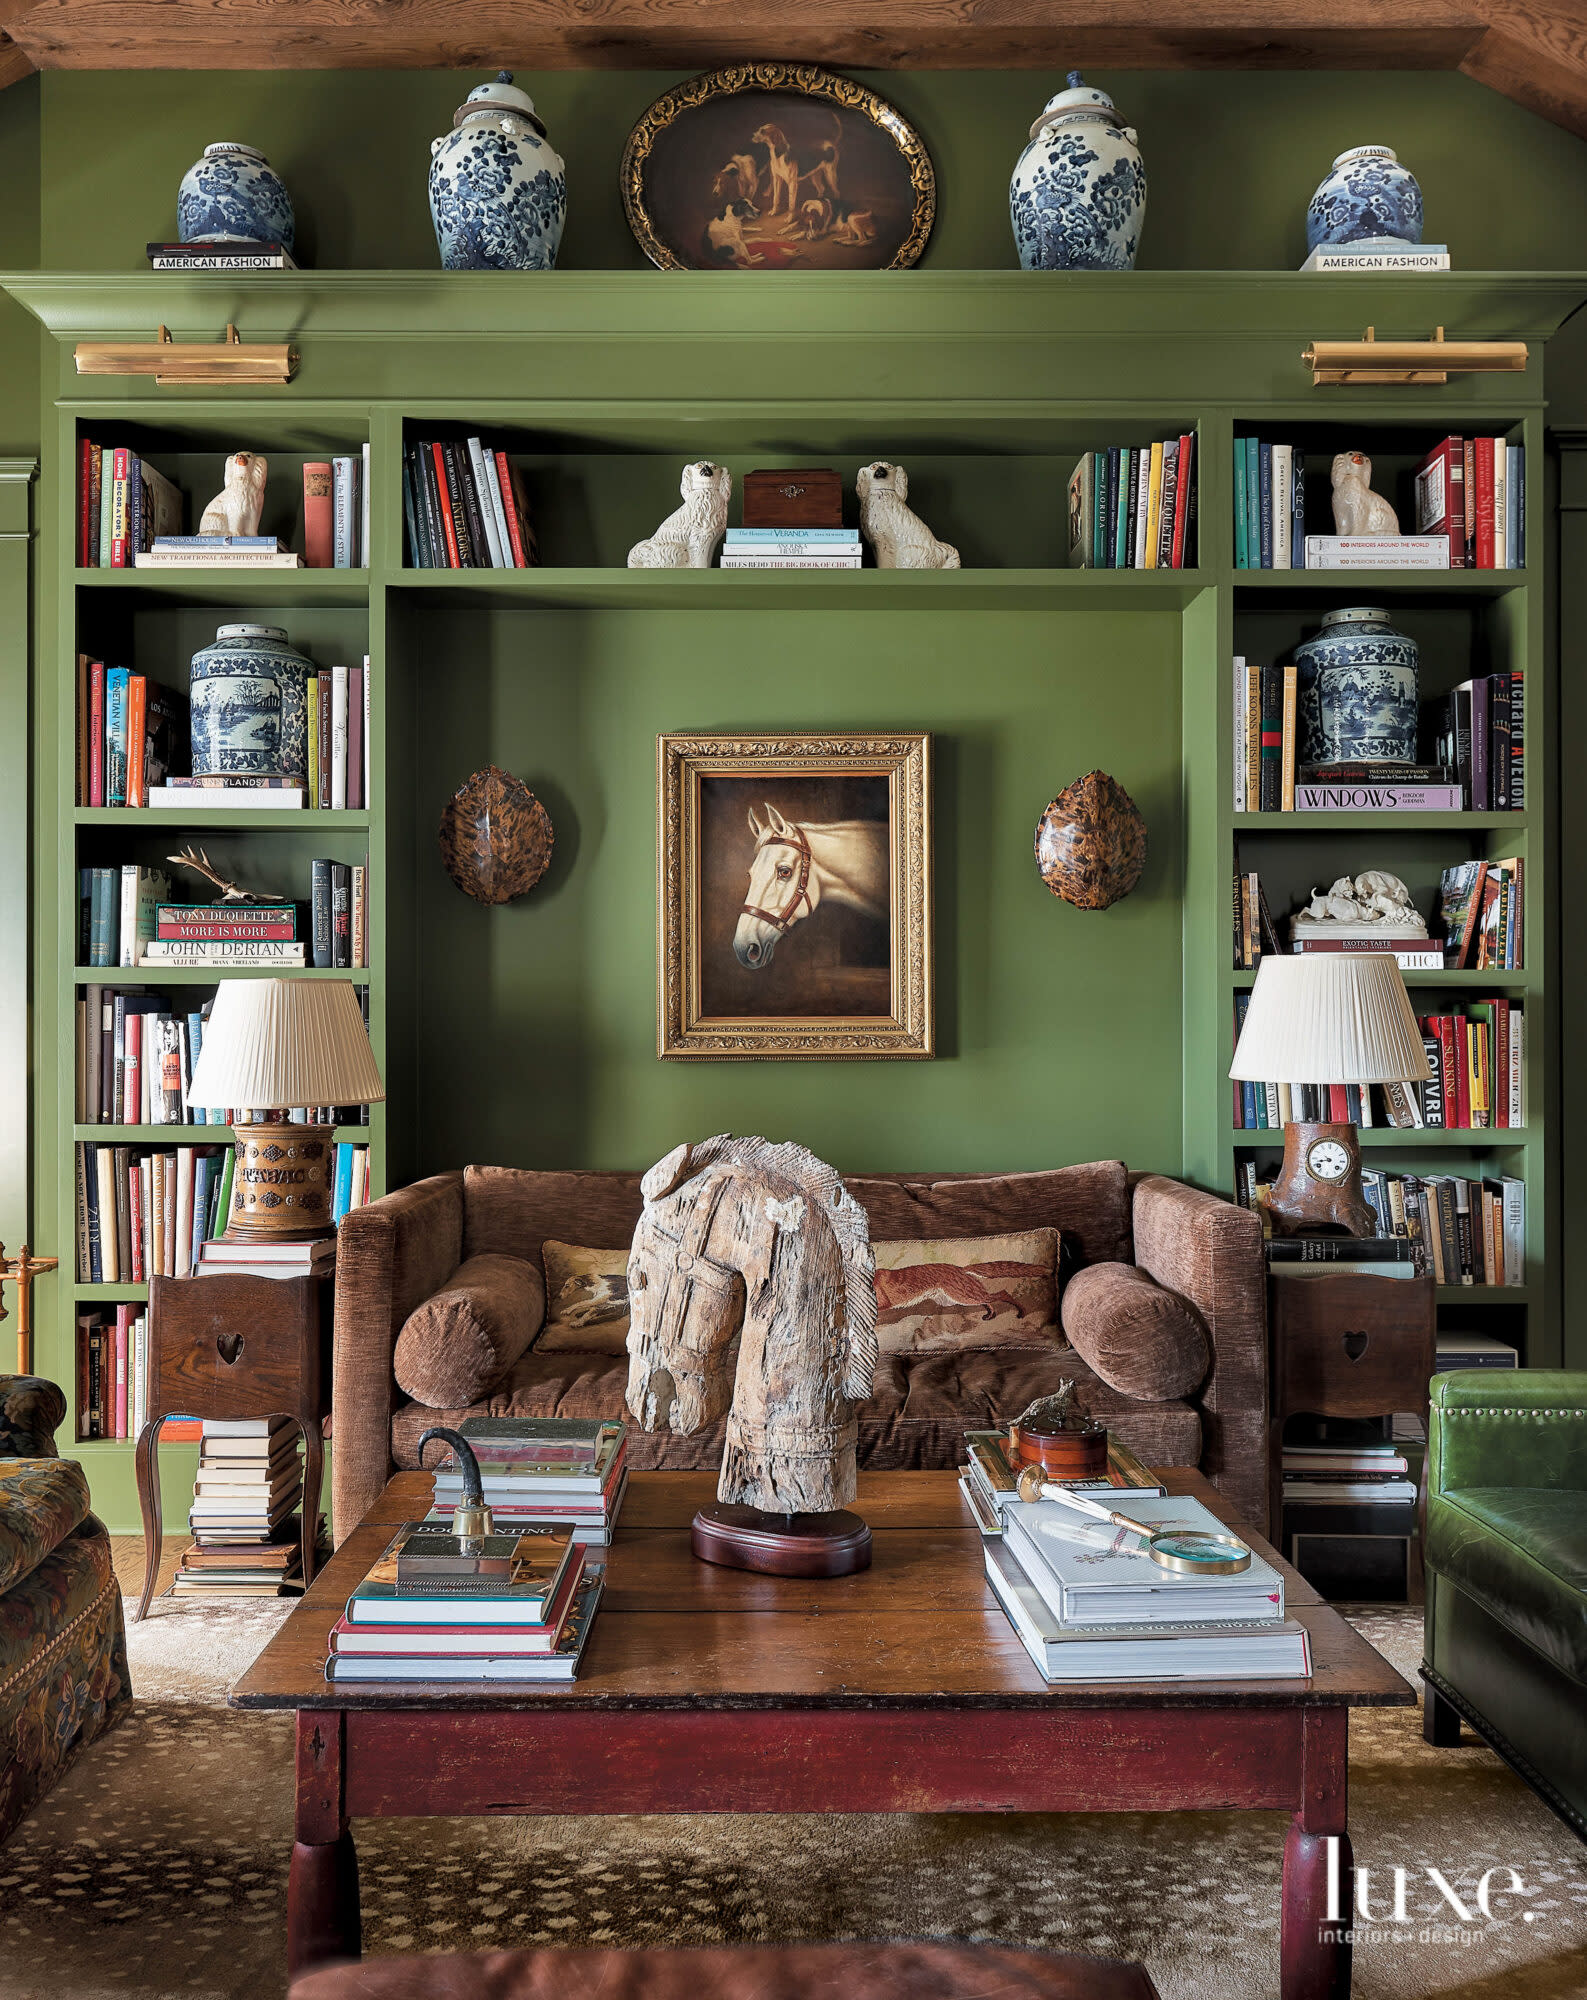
(1506,1560)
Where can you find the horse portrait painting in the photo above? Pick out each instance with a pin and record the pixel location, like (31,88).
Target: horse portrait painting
(795,895)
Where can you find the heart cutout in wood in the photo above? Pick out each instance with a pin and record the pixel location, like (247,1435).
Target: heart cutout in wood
(229,1346)
(1355,1345)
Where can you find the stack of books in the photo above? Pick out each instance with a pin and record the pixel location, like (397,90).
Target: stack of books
(224,934)
(1134,507)
(219,253)
(1471,494)
(566,1472)
(123,503)
(1090,1604)
(989,1478)
(1459,1231)
(112,1372)
(142,1211)
(513,1606)
(229,1258)
(792,548)
(245,1507)
(1349,1495)
(206,551)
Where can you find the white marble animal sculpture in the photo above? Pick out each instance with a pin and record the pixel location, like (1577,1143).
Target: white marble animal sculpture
(235,510)
(688,537)
(1357,509)
(1375,897)
(897,534)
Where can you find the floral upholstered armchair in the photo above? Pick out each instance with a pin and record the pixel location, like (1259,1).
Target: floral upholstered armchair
(63,1649)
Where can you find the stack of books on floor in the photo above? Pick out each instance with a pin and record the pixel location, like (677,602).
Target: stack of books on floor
(792,548)
(516,1605)
(989,1478)
(568,1472)
(244,1517)
(1134,507)
(1090,1604)
(1349,1493)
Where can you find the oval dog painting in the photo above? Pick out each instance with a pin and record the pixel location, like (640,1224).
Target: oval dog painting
(794,888)
(771,166)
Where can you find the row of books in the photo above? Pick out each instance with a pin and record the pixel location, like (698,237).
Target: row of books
(1374,1473)
(112,1371)
(1474,740)
(126,917)
(516,1605)
(1462,1231)
(1477,1060)
(123,503)
(132,732)
(465,507)
(792,548)
(1089,1604)
(1481,912)
(244,1520)
(135,1062)
(1134,507)
(1469,509)
(144,1210)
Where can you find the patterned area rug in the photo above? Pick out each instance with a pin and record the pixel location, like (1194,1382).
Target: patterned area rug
(159,1866)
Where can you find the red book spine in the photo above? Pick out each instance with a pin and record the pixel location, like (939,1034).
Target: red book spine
(318,517)
(1499,1052)
(1187,472)
(123,1332)
(504,481)
(132,1087)
(135,1215)
(87,534)
(1441,497)
(1339,1103)
(96,733)
(1483,467)
(454,560)
(137,740)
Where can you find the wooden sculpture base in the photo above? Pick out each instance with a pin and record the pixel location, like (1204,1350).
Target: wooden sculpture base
(835,1544)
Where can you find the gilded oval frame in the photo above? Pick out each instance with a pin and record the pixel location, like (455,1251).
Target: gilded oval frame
(797,79)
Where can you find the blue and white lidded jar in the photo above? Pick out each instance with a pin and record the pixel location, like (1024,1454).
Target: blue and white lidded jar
(248,705)
(1367,198)
(498,192)
(232,195)
(1356,691)
(1078,194)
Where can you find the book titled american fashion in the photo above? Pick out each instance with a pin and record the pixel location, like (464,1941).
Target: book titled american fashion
(1093,1573)
(1226,1649)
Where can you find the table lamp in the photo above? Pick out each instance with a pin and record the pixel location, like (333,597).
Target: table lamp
(271,1044)
(1327,1018)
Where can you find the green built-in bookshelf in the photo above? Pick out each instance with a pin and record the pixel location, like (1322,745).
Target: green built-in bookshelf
(1067,1035)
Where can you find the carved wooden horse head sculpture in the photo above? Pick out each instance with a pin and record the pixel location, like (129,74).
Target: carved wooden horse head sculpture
(743,1238)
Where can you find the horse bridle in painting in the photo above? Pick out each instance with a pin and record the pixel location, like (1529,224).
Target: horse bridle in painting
(794,838)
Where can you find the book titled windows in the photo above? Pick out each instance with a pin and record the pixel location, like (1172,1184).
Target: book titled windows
(1134,507)
(465,507)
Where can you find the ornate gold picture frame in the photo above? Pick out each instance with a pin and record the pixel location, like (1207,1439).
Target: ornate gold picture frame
(794,896)
(767,166)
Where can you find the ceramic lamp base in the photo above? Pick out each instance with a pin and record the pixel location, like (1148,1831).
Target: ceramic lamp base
(281,1185)
(833,1544)
(1312,1193)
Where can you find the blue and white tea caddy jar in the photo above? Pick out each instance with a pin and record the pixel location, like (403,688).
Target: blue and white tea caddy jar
(1078,194)
(1367,198)
(498,192)
(233,195)
(1356,691)
(248,705)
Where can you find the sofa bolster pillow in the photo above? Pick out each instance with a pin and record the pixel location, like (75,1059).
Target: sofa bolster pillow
(455,1347)
(1142,1340)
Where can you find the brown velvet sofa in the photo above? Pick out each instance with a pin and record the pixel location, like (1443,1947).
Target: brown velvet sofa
(397,1252)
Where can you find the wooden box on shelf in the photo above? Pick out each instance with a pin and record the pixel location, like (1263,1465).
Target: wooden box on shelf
(227,1347)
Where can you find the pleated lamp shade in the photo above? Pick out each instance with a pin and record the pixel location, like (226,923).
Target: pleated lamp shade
(1329,1017)
(273,1044)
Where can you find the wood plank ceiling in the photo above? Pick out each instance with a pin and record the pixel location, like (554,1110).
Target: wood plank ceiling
(1534,51)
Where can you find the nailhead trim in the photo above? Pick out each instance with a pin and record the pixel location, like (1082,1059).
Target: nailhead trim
(1512,1413)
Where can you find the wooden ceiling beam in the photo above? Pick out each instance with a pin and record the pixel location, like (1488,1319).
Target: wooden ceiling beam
(1533,51)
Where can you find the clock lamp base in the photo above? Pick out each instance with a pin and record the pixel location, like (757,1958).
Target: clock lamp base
(1314,1191)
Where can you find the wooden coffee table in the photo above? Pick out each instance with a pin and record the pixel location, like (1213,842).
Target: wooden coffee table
(902,1689)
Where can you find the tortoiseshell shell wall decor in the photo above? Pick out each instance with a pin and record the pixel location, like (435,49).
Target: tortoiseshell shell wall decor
(1091,842)
(495,837)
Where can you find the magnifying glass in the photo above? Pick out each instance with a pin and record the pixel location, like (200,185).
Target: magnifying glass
(1188,1551)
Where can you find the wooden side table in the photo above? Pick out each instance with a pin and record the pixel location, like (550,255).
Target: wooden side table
(1348,1346)
(233,1347)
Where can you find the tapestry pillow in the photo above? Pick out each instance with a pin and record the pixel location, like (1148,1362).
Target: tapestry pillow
(455,1347)
(1142,1340)
(966,1291)
(586,1299)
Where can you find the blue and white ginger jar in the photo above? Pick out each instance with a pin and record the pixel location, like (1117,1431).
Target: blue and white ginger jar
(1356,691)
(1078,194)
(498,192)
(232,195)
(248,694)
(1367,197)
